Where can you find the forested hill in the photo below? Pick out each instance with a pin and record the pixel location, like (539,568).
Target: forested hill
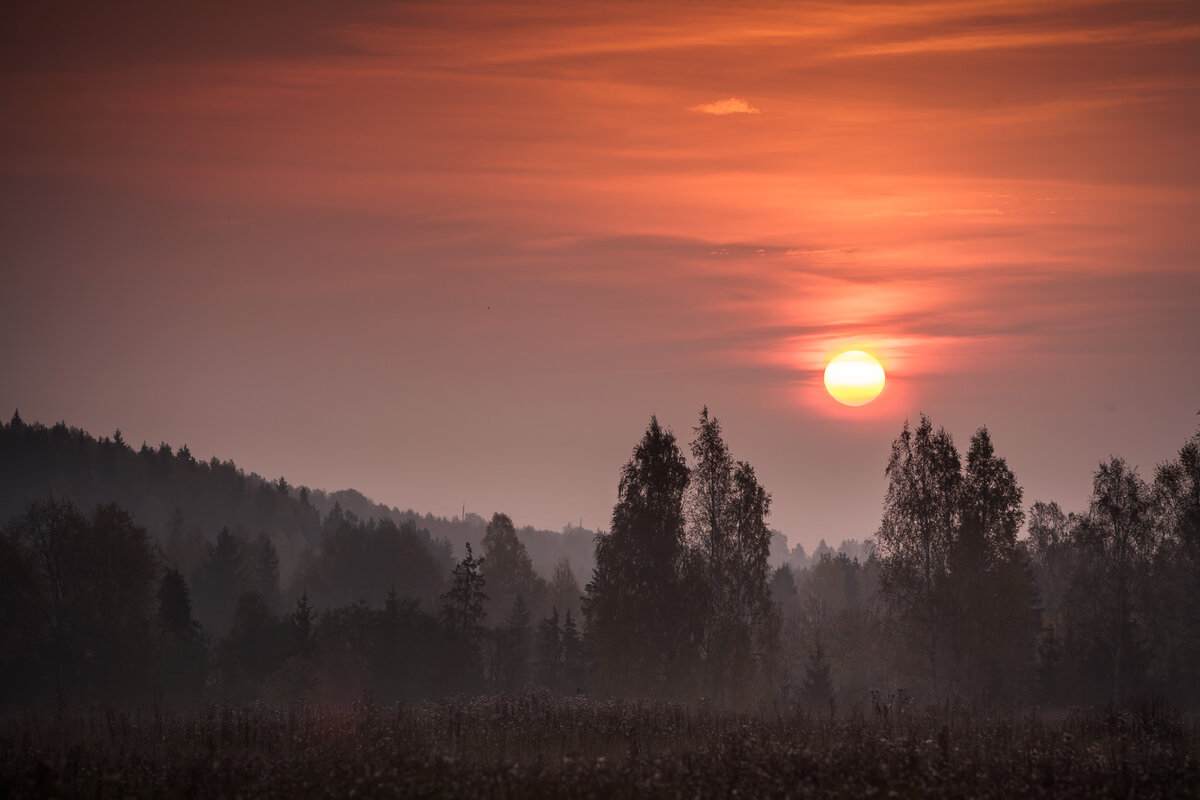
(167,491)
(546,548)
(172,494)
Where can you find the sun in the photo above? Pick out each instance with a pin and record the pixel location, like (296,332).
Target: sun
(854,378)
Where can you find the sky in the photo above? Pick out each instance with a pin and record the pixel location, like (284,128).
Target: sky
(457,253)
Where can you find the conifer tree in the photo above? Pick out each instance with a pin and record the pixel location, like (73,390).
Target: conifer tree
(462,605)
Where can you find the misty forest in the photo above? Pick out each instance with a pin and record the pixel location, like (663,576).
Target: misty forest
(142,583)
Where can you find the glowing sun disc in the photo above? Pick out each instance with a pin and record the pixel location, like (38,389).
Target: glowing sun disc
(854,378)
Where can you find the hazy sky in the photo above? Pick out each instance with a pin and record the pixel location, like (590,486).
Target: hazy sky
(455,252)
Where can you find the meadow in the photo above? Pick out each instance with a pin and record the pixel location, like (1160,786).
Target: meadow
(534,745)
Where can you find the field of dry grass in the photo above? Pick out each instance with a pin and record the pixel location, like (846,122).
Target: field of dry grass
(538,746)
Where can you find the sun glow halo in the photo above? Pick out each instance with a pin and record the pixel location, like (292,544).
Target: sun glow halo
(854,378)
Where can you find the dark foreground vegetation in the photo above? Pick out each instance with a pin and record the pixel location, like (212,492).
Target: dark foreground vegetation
(533,745)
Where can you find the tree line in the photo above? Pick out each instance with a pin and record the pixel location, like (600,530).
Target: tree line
(186,501)
(1090,607)
(90,612)
(687,599)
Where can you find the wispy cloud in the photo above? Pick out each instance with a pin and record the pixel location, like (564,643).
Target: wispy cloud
(1014,38)
(731,105)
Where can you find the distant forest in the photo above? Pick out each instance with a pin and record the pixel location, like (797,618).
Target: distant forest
(136,576)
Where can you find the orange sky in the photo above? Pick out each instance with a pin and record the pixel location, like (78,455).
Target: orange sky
(462,251)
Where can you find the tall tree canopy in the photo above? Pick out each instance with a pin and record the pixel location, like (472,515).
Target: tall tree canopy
(508,570)
(1120,535)
(635,604)
(952,571)
(920,520)
(727,511)
(77,602)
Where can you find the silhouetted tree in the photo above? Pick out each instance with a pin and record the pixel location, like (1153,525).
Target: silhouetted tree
(1172,596)
(302,624)
(43,543)
(1054,558)
(175,607)
(635,601)
(991,502)
(364,561)
(219,582)
(916,535)
(79,599)
(512,648)
(783,590)
(263,569)
(709,503)
(817,690)
(181,653)
(462,606)
(346,648)
(463,616)
(754,616)
(406,652)
(507,569)
(549,653)
(989,597)
(1119,534)
(574,661)
(727,511)
(565,593)
(255,647)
